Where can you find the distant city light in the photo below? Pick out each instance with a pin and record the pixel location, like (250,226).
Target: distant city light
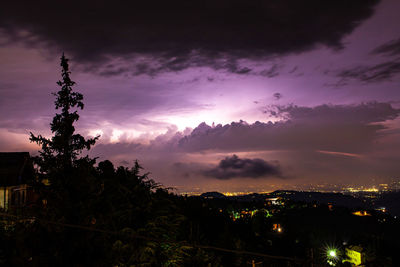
(277,228)
(361,213)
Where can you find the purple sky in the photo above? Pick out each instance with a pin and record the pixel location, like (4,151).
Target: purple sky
(215,95)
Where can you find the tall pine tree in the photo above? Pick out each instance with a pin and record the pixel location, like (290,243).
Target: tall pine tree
(61,151)
(70,176)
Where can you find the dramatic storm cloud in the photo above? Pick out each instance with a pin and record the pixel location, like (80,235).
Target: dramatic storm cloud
(307,139)
(232,167)
(174,35)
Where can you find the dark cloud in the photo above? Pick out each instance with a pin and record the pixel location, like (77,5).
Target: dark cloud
(177,34)
(391,48)
(278,96)
(270,73)
(294,69)
(370,74)
(235,167)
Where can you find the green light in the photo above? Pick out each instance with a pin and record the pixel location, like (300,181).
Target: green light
(332,253)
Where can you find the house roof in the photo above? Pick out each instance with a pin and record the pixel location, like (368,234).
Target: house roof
(15,168)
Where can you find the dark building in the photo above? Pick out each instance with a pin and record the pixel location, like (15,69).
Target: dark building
(16,170)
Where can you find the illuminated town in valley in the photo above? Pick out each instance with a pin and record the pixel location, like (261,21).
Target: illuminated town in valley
(350,189)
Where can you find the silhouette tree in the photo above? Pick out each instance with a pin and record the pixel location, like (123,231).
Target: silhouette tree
(61,151)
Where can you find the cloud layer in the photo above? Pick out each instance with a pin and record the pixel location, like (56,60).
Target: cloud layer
(346,128)
(327,141)
(341,128)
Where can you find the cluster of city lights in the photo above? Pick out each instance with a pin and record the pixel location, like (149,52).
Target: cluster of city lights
(355,190)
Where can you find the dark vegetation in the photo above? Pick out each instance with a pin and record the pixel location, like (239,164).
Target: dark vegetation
(101,215)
